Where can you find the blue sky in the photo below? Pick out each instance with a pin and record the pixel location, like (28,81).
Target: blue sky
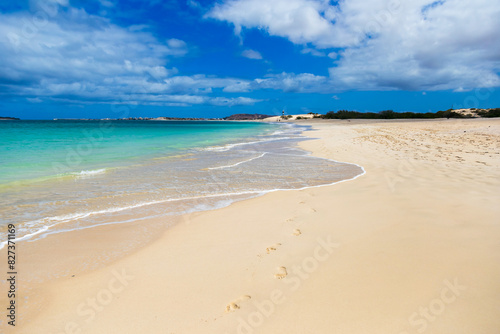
(187,58)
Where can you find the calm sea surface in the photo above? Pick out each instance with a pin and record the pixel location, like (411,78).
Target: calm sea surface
(58,176)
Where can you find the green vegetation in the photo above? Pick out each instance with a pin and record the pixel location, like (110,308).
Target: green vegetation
(390,114)
(489,113)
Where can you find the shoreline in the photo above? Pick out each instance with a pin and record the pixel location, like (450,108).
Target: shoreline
(369,264)
(22,199)
(254,193)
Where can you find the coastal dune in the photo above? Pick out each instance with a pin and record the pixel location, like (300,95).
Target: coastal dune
(412,246)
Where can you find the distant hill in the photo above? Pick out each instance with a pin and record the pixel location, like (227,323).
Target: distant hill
(245,117)
(9,118)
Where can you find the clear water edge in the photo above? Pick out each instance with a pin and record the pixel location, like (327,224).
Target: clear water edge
(270,158)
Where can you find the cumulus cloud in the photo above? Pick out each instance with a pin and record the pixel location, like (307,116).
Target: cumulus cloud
(301,21)
(251,54)
(385,44)
(70,55)
(290,82)
(177,47)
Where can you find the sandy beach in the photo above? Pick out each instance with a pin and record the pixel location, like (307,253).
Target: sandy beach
(412,246)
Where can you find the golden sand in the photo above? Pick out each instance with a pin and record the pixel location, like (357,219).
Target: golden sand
(412,246)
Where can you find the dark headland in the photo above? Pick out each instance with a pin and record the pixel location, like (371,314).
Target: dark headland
(245,117)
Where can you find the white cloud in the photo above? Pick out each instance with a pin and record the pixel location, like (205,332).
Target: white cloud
(251,54)
(333,55)
(290,82)
(167,100)
(175,43)
(79,47)
(237,87)
(301,21)
(75,56)
(313,52)
(422,44)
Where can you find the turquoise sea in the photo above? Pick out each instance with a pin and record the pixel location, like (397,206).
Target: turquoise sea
(58,176)
(34,150)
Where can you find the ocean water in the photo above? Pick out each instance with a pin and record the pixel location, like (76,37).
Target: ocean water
(58,176)
(34,150)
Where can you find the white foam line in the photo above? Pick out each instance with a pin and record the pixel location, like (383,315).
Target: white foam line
(63,219)
(96,225)
(261,192)
(239,163)
(230,146)
(25,237)
(85,173)
(128,221)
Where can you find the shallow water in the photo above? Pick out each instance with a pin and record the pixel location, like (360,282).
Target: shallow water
(175,169)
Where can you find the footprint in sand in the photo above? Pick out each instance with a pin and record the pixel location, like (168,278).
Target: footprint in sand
(282,273)
(272,248)
(233,306)
(297,232)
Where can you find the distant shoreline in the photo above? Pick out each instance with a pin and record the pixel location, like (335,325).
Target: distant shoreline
(340,115)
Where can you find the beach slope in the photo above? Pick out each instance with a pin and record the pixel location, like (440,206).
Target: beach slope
(412,246)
